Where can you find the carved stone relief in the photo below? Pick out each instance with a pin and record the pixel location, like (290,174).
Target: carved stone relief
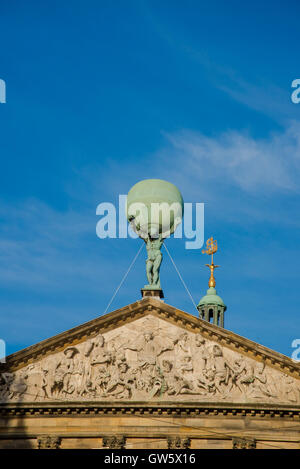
(179,443)
(114,442)
(148,359)
(48,442)
(243,443)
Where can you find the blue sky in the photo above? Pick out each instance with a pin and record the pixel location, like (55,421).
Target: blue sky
(101,94)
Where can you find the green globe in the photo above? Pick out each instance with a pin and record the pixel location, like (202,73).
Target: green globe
(154,207)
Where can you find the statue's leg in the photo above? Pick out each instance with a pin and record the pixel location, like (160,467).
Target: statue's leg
(149,269)
(156,267)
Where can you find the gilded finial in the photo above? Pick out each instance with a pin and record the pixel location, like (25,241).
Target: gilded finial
(211,249)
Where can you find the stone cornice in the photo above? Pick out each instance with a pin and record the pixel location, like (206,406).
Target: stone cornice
(160,309)
(182,409)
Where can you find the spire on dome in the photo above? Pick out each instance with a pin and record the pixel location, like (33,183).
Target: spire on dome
(211,249)
(211,306)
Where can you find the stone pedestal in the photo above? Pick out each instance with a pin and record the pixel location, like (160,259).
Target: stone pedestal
(156,293)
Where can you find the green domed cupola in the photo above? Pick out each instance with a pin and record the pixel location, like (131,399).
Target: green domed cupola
(211,306)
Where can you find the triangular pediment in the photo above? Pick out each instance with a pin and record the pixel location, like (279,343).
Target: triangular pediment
(149,351)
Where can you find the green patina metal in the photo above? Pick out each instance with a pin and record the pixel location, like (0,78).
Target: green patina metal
(211,298)
(149,191)
(154,230)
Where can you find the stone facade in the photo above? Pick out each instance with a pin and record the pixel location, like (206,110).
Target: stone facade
(135,377)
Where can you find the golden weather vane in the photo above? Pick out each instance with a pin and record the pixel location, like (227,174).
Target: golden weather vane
(211,248)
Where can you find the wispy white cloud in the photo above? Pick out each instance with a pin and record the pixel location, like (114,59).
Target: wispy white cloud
(237,159)
(43,248)
(265,97)
(256,93)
